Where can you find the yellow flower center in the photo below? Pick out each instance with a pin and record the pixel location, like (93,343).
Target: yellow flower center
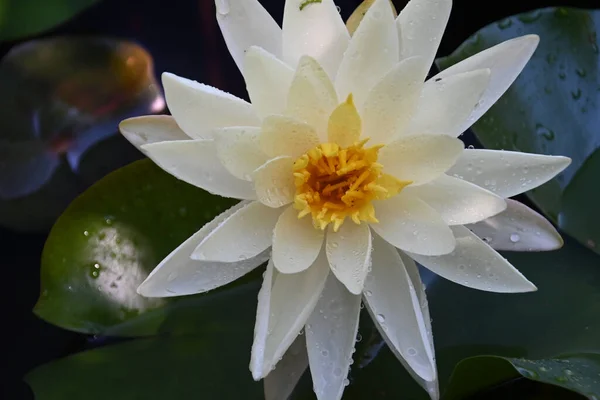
(333,183)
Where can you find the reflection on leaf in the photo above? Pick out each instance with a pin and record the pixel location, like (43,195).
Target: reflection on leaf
(61,96)
(107,242)
(551,108)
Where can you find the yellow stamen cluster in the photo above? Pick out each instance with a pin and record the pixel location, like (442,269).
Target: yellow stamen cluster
(333,183)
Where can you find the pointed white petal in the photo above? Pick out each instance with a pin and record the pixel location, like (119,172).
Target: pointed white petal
(476,265)
(420,158)
(446,104)
(274,182)
(198,108)
(268,81)
(391,104)
(280,382)
(420,27)
(372,52)
(246,23)
(179,275)
(432,387)
(286,136)
(196,162)
(410,224)
(506,61)
(243,235)
(316,30)
(392,301)
(239,151)
(151,129)
(285,302)
(312,96)
(349,254)
(330,339)
(507,173)
(458,202)
(296,242)
(519,228)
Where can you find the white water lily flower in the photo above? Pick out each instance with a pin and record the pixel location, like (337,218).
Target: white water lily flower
(350,170)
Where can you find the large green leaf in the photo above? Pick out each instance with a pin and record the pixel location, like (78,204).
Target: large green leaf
(109,239)
(578,373)
(212,364)
(551,108)
(19,18)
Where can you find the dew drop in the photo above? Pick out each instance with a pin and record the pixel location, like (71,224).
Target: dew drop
(515,237)
(325,353)
(505,23)
(337,372)
(368,293)
(346,382)
(411,351)
(470,147)
(171,277)
(381,318)
(86,233)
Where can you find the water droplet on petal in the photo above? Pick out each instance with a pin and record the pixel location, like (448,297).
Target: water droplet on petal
(515,237)
(380,318)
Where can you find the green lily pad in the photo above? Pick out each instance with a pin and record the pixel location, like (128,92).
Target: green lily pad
(551,107)
(212,364)
(20,18)
(109,239)
(63,96)
(579,373)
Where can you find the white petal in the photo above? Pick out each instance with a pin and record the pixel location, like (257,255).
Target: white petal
(199,108)
(507,173)
(296,242)
(372,53)
(330,339)
(246,23)
(280,382)
(447,103)
(151,129)
(239,150)
(312,96)
(349,254)
(274,182)
(393,303)
(390,105)
(316,30)
(285,302)
(505,60)
(179,275)
(457,201)
(475,264)
(268,81)
(432,387)
(286,136)
(420,158)
(519,228)
(410,224)
(196,162)
(420,27)
(243,235)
